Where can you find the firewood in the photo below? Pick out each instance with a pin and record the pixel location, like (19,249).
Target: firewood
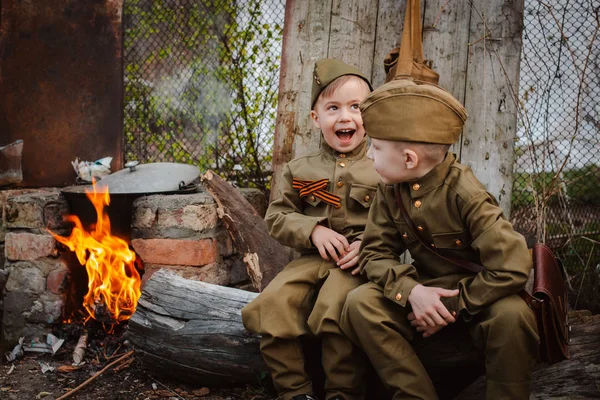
(80,347)
(263,255)
(192,331)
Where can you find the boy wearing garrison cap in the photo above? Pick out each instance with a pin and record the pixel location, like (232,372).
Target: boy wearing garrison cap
(321,211)
(411,127)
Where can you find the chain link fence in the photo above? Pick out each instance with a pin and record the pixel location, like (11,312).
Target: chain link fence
(201,80)
(556,193)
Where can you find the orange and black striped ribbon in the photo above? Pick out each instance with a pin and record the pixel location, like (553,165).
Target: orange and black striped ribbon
(317,189)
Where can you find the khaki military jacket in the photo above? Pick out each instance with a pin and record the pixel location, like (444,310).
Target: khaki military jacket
(453,212)
(291,219)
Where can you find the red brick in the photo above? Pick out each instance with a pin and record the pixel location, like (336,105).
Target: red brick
(56,279)
(176,251)
(28,246)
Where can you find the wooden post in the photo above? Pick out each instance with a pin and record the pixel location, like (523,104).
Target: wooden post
(495,33)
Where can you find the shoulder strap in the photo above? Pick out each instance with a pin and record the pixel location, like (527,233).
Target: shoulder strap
(471,266)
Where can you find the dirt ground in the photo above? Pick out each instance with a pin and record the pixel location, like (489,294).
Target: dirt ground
(26,381)
(23,379)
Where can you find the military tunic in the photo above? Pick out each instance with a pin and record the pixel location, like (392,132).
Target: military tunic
(455,214)
(307,296)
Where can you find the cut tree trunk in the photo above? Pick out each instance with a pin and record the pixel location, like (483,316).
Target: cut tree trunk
(576,378)
(192,331)
(263,255)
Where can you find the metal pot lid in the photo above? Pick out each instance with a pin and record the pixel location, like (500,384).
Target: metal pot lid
(149,178)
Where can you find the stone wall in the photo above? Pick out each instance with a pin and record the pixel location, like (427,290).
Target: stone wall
(179,232)
(32,294)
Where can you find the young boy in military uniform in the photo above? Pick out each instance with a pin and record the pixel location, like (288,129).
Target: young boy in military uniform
(411,128)
(321,211)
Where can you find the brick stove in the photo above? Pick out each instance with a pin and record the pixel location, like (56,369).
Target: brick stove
(179,232)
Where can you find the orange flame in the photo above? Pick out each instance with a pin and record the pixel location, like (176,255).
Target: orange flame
(113,281)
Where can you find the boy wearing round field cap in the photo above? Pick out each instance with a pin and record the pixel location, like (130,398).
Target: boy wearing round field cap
(411,128)
(321,211)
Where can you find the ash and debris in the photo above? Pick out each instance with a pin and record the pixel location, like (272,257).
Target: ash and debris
(37,375)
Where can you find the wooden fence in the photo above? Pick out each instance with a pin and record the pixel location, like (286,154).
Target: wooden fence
(475,46)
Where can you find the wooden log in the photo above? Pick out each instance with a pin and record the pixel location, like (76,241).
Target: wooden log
(192,331)
(576,378)
(263,255)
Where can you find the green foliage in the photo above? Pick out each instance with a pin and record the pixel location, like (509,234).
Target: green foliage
(569,206)
(201,85)
(580,185)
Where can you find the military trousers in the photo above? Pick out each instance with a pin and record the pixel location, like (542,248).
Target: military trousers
(306,299)
(506,331)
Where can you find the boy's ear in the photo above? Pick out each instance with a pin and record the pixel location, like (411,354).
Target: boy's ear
(315,119)
(411,158)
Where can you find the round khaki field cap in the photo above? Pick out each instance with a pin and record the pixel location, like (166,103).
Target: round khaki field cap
(406,111)
(326,71)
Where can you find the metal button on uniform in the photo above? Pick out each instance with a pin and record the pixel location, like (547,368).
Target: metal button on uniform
(342,164)
(405,235)
(342,155)
(458,242)
(367,198)
(418,203)
(312,198)
(416,186)
(420,228)
(340,183)
(398,296)
(432,244)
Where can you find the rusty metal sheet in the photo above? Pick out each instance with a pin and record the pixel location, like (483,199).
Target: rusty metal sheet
(61,85)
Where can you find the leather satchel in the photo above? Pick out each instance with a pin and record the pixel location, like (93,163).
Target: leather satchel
(545,294)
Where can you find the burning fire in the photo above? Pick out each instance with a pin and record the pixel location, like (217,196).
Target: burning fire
(113,281)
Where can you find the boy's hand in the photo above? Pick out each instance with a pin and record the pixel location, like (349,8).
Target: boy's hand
(351,259)
(428,330)
(329,241)
(427,307)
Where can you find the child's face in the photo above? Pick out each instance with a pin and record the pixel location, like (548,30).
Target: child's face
(389,160)
(338,116)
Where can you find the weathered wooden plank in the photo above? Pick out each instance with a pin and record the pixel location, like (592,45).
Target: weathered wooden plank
(313,47)
(353,26)
(492,76)
(390,20)
(445,41)
(305,40)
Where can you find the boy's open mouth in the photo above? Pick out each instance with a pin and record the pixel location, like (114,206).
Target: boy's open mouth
(345,135)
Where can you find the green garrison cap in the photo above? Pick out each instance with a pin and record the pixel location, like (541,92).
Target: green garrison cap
(406,111)
(326,71)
